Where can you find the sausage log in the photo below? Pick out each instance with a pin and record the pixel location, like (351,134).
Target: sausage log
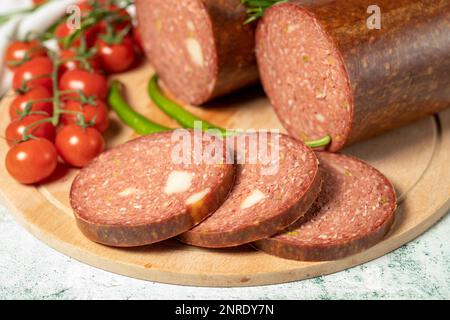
(201,49)
(328,70)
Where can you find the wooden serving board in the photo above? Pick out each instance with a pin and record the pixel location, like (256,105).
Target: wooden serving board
(415,158)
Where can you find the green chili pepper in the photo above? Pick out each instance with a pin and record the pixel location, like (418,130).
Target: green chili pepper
(187,119)
(133,119)
(183,117)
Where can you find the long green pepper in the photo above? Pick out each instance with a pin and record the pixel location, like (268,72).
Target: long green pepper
(133,119)
(183,117)
(187,120)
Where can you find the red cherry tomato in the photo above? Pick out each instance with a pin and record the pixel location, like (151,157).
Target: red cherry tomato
(70,62)
(63,30)
(78,146)
(37,93)
(85,7)
(36,72)
(15,130)
(97,113)
(19,52)
(116,57)
(38,2)
(122,19)
(32,161)
(90,83)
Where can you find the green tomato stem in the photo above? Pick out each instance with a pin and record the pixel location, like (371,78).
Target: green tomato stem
(56,92)
(256,8)
(26,136)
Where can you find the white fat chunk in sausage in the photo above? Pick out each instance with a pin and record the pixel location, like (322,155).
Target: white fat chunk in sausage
(320,117)
(196,197)
(190,25)
(321,95)
(252,199)
(127,192)
(178,182)
(195,51)
(292,27)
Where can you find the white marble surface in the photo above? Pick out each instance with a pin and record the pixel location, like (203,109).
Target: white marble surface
(31,270)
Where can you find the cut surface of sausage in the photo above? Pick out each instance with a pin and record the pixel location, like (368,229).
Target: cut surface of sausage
(353,212)
(262,202)
(140,192)
(304,76)
(201,49)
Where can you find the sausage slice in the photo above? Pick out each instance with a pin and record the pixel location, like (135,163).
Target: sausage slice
(266,198)
(140,192)
(353,212)
(201,49)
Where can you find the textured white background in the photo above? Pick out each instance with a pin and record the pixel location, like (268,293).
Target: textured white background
(31,270)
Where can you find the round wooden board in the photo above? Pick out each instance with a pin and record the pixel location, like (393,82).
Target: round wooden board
(415,158)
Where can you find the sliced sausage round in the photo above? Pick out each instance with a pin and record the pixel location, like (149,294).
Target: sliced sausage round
(353,212)
(201,49)
(150,189)
(355,69)
(270,193)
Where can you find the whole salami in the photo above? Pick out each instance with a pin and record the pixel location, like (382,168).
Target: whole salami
(353,69)
(354,211)
(201,49)
(137,194)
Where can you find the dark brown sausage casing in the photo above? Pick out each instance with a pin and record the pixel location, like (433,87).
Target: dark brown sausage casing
(327,73)
(201,49)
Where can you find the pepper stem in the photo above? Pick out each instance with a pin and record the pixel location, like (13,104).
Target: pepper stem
(320,143)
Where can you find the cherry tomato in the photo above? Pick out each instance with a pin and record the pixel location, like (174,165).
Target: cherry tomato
(63,30)
(88,5)
(78,146)
(37,93)
(38,2)
(97,113)
(90,83)
(32,161)
(19,52)
(70,62)
(123,19)
(15,130)
(85,7)
(116,57)
(36,72)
